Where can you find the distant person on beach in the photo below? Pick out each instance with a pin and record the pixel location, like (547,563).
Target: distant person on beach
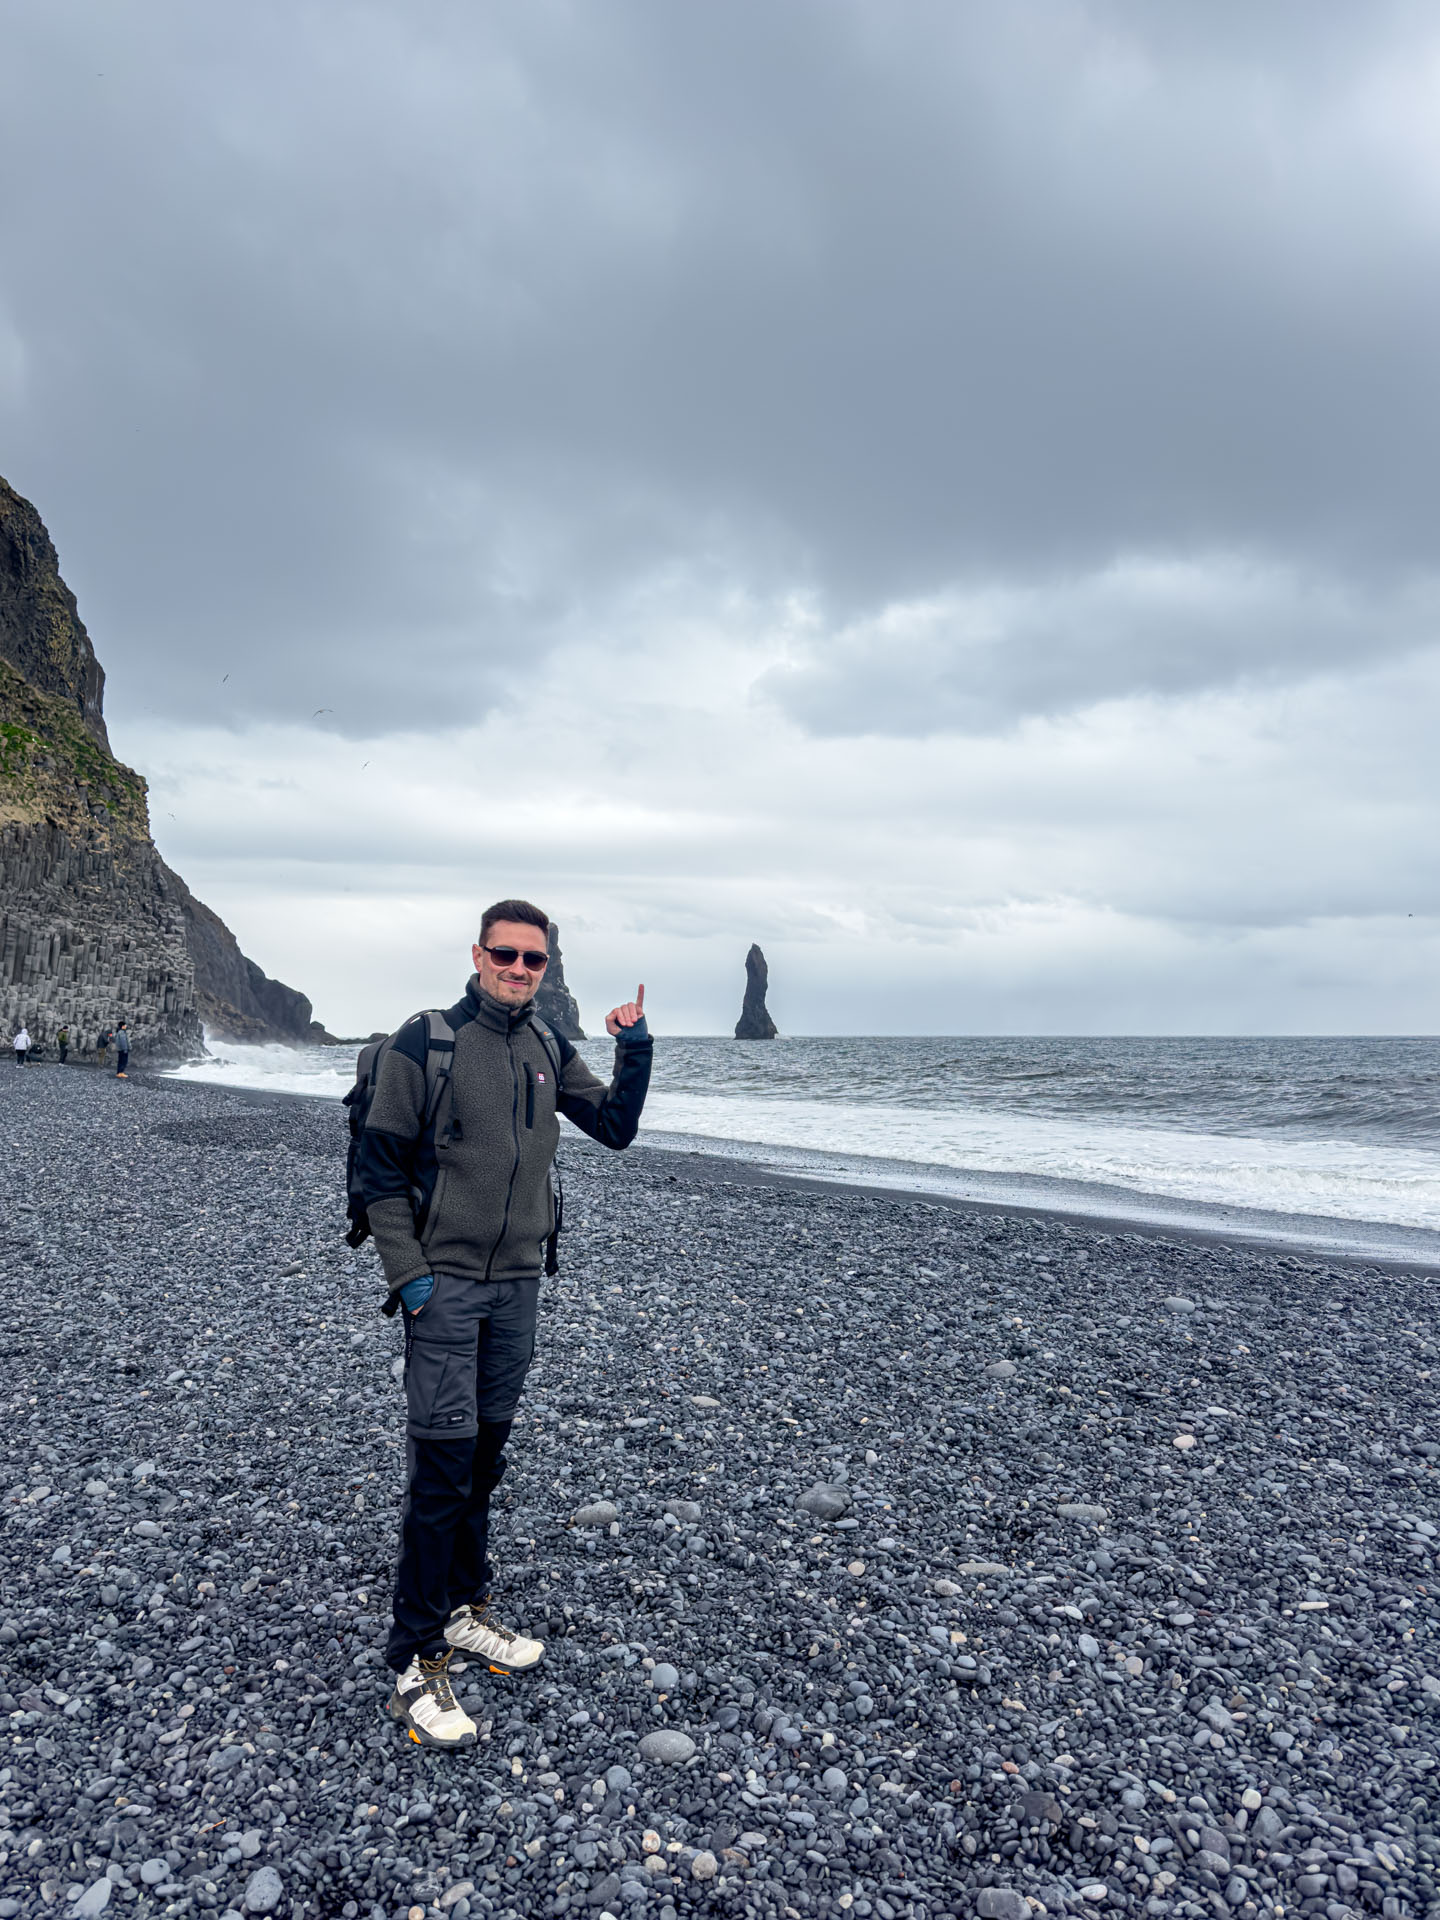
(22,1044)
(122,1051)
(62,1041)
(102,1047)
(467,1274)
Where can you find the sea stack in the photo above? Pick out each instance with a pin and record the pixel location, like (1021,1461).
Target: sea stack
(94,927)
(555,1003)
(755,1022)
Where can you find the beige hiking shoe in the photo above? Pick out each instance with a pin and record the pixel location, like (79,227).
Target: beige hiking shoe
(476,1631)
(426,1707)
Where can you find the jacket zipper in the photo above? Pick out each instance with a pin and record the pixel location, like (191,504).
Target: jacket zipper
(529,1095)
(515,1163)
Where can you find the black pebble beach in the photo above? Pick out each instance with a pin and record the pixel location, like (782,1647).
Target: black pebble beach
(978,1564)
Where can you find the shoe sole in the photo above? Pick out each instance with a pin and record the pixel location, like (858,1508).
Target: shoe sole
(398,1711)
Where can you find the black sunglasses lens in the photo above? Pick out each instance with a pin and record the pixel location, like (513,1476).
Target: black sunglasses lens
(507,956)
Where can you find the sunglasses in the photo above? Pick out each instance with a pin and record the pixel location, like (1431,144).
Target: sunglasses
(535,960)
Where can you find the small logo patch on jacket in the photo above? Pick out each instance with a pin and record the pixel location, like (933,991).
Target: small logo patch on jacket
(541,1078)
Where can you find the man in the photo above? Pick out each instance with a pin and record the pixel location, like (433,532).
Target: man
(462,1255)
(22,1044)
(102,1045)
(62,1041)
(122,1052)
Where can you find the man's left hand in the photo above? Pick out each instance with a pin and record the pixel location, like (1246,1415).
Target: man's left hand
(628,1015)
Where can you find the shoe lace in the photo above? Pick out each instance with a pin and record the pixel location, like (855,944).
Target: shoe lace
(491,1625)
(437,1682)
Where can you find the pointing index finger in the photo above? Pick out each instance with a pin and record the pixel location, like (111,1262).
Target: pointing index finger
(640,996)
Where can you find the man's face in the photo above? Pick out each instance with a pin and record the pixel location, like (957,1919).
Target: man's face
(512,986)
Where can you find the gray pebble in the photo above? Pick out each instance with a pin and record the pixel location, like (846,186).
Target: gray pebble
(663,1677)
(1081,1510)
(825,1502)
(1001,1370)
(617,1779)
(94,1899)
(1089,1646)
(1267,1827)
(264,1890)
(834,1782)
(600,1513)
(667,1745)
(1001,1903)
(1177,1303)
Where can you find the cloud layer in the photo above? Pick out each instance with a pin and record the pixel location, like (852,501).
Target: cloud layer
(777,472)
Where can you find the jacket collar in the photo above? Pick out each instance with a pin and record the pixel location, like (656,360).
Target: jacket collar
(478,1005)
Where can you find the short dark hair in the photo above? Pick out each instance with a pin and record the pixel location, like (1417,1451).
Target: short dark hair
(521,910)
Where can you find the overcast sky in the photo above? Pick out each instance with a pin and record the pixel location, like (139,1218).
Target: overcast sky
(947,492)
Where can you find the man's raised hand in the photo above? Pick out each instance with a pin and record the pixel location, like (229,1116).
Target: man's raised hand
(627,1015)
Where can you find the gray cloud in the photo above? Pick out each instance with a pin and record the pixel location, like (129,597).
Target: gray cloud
(973,661)
(350,347)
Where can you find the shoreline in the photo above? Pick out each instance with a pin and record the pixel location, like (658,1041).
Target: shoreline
(1351,1244)
(1248,1228)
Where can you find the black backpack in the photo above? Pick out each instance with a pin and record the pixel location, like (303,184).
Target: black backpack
(439,1120)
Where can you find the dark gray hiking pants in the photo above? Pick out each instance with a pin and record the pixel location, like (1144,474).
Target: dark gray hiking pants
(465,1368)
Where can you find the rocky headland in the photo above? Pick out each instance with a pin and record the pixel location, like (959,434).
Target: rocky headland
(94,927)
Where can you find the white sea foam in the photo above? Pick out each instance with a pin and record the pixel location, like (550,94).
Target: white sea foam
(1341,1180)
(912,1130)
(325,1072)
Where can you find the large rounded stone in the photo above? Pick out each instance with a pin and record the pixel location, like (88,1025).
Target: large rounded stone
(825,1501)
(667,1745)
(263,1891)
(600,1513)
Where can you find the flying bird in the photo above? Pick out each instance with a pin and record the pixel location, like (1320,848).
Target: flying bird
(319,710)
(223,678)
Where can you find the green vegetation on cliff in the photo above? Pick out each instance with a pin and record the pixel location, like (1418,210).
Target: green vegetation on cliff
(52,768)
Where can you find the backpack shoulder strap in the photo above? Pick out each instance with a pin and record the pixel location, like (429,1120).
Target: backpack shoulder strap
(439,1059)
(553,1045)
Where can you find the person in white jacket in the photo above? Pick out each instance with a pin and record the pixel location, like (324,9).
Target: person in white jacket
(22,1045)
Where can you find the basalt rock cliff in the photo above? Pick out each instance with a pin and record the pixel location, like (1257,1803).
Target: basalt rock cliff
(755,1022)
(554,1002)
(94,927)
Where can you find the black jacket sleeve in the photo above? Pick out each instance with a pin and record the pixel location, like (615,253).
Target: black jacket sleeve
(610,1114)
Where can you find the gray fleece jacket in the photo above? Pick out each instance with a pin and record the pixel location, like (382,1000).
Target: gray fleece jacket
(486,1207)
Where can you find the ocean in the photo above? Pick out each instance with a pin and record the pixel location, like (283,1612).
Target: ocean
(1332,1143)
